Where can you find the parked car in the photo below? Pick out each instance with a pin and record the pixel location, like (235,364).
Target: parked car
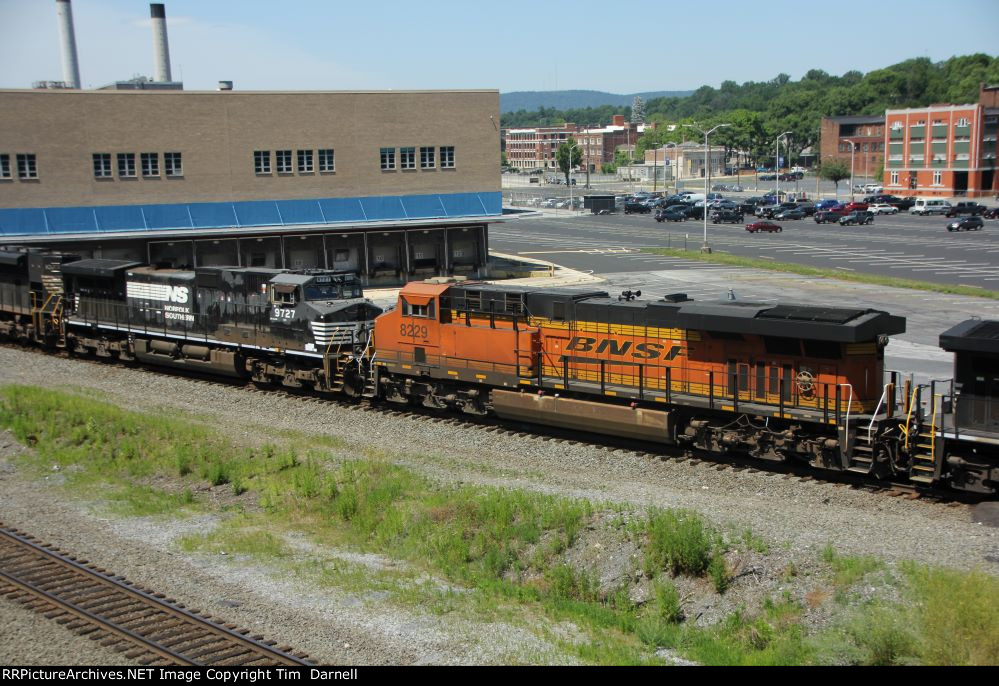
(807,207)
(763,226)
(785,215)
(736,189)
(925,206)
(969,208)
(826,216)
(882,208)
(728,216)
(550,202)
(771,211)
(859,217)
(873,188)
(636,206)
(991,213)
(903,204)
(670,215)
(724,205)
(768,177)
(854,206)
(825,204)
(972,223)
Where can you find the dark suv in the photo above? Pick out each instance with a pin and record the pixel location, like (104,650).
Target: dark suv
(859,217)
(729,216)
(972,209)
(973,223)
(636,206)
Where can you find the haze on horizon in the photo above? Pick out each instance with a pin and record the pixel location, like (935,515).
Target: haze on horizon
(512,46)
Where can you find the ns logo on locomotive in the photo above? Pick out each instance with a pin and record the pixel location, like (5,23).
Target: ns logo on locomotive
(779,382)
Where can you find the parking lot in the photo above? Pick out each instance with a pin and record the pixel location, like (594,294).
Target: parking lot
(902,246)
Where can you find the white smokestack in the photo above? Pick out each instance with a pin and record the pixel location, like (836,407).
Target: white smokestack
(70,65)
(161,50)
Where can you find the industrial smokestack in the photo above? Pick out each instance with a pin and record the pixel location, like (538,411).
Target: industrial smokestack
(70,64)
(161,50)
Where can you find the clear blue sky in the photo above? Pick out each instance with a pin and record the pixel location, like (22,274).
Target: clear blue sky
(513,45)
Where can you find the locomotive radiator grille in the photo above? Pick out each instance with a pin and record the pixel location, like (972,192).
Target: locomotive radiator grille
(326,333)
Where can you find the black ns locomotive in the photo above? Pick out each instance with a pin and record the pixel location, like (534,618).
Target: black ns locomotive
(294,327)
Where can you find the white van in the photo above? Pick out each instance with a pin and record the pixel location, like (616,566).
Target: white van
(926,206)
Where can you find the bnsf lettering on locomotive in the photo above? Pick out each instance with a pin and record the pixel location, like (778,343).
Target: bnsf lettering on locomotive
(581,344)
(611,346)
(642,351)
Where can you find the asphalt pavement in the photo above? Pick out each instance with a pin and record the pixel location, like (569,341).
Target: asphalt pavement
(900,246)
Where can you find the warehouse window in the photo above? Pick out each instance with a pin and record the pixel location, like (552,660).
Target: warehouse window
(447,157)
(388,159)
(4,166)
(937,178)
(283,161)
(262,161)
(305,162)
(326,163)
(427,158)
(150,163)
(26,166)
(102,165)
(894,178)
(407,158)
(172,164)
(126,165)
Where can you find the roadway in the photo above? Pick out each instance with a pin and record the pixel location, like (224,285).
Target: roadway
(900,246)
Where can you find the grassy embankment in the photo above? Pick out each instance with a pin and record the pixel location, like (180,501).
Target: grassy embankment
(489,553)
(804,270)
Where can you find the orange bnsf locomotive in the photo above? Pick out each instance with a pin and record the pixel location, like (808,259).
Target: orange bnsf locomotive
(777,382)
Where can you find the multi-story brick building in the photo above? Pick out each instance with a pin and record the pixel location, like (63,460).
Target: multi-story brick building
(532,149)
(387,184)
(942,150)
(536,148)
(865,134)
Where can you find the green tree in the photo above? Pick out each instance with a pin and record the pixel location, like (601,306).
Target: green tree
(835,171)
(567,156)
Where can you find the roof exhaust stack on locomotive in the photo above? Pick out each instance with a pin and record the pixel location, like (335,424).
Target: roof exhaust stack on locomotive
(67,38)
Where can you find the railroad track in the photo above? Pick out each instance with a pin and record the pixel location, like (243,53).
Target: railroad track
(786,470)
(146,626)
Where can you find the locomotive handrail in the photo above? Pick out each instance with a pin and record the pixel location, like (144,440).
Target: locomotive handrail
(849,403)
(870,427)
(908,418)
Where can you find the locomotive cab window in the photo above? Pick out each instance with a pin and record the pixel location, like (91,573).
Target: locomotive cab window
(425,311)
(282,294)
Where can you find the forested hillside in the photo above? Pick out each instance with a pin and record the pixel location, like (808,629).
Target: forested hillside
(758,111)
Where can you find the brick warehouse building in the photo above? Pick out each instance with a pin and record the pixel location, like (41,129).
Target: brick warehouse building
(942,150)
(866,133)
(387,184)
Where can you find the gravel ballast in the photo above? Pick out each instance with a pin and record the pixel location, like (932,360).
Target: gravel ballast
(796,518)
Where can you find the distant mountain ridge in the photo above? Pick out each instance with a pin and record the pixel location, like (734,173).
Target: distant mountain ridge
(567,100)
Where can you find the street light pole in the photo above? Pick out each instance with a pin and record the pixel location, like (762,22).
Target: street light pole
(852,146)
(704,212)
(777,165)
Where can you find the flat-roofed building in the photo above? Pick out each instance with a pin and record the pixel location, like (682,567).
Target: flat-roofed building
(942,150)
(389,184)
(865,133)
